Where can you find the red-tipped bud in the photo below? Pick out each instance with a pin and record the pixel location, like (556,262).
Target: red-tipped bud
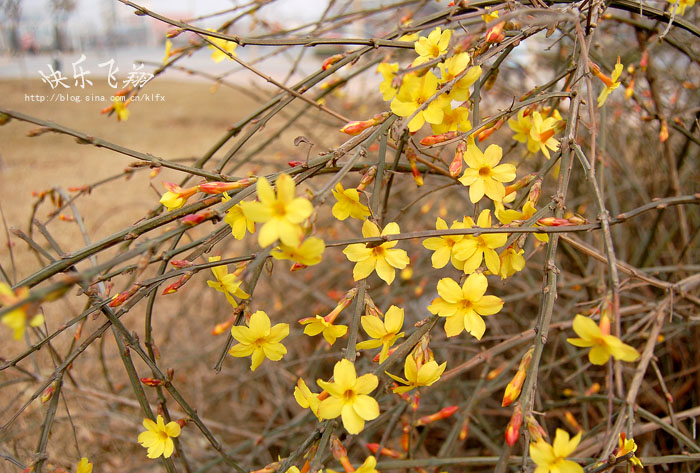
(513,389)
(153,382)
(572,421)
(389,353)
(595,388)
(536,431)
(513,428)
(356,127)
(79,189)
(223,326)
(331,60)
(173,288)
(195,219)
(443,413)
(457,162)
(405,437)
(411,156)
(535,191)
(526,360)
(464,431)
(367,178)
(181,263)
(435,139)
(495,33)
(663,134)
(520,183)
(493,374)
(120,298)
(553,222)
(173,33)
(644,62)
(221,187)
(294,164)
(337,448)
(297,267)
(386,452)
(48,393)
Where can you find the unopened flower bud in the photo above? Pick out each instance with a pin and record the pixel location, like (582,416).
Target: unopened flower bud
(173,288)
(367,178)
(385,452)
(120,298)
(411,156)
(513,429)
(195,219)
(513,389)
(443,413)
(495,33)
(48,393)
(464,431)
(435,139)
(457,162)
(331,60)
(153,382)
(536,431)
(181,263)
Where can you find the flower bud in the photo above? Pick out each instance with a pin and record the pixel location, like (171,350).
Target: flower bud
(443,413)
(385,452)
(120,298)
(48,393)
(464,431)
(367,178)
(411,156)
(536,431)
(196,219)
(513,389)
(221,187)
(513,428)
(181,263)
(456,164)
(331,60)
(153,382)
(495,33)
(435,139)
(173,288)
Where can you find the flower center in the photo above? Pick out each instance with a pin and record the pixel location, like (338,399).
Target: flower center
(434,50)
(485,171)
(279,209)
(162,435)
(348,395)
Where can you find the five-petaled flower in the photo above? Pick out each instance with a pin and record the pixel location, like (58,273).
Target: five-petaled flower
(349,397)
(84,466)
(433,46)
(308,253)
(464,306)
(348,204)
(16,319)
(384,333)
(443,246)
(229,284)
(453,67)
(414,92)
(317,324)
(388,72)
(158,437)
(611,83)
(281,212)
(552,458)
(603,345)
(472,250)
(542,133)
(237,220)
(484,175)
(423,374)
(259,340)
(218,55)
(176,196)
(383,258)
(625,446)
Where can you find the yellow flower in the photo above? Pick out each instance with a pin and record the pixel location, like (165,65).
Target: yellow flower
(385,333)
(349,397)
(168,49)
(489,15)
(368,466)
(228,46)
(484,175)
(318,324)
(443,247)
(305,398)
(382,258)
(259,340)
(176,196)
(508,216)
(611,82)
(158,437)
(237,220)
(553,457)
(229,284)
(416,376)
(456,119)
(308,253)
(413,93)
(281,213)
(542,133)
(602,346)
(626,446)
(120,109)
(473,249)
(16,319)
(433,46)
(521,125)
(388,72)
(348,204)
(682,5)
(512,261)
(83,466)
(464,306)
(454,66)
